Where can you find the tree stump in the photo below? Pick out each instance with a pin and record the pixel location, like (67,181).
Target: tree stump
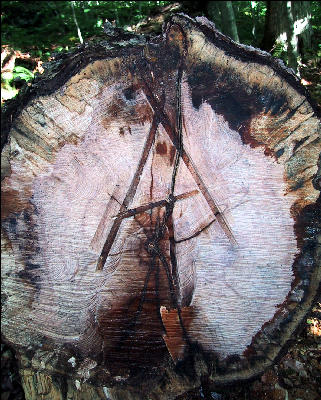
(160,218)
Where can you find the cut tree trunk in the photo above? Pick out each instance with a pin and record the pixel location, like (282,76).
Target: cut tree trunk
(160,218)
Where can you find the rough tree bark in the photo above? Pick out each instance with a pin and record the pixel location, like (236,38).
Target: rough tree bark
(160,216)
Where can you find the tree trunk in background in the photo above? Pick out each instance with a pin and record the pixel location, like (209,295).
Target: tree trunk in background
(76,22)
(254,17)
(288,23)
(292,42)
(160,215)
(272,20)
(213,12)
(228,23)
(302,25)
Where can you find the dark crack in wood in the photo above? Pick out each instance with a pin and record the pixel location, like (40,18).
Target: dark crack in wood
(196,233)
(161,203)
(164,119)
(129,196)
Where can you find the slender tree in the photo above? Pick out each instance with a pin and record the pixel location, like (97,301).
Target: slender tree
(254,18)
(291,37)
(213,11)
(76,22)
(227,17)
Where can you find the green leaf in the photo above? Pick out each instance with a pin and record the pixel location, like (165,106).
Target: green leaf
(22,73)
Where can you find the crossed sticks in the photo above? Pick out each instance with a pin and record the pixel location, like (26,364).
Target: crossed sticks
(152,244)
(161,117)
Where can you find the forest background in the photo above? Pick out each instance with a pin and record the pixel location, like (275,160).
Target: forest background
(33,32)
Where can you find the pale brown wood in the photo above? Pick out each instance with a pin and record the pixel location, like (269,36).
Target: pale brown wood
(160,216)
